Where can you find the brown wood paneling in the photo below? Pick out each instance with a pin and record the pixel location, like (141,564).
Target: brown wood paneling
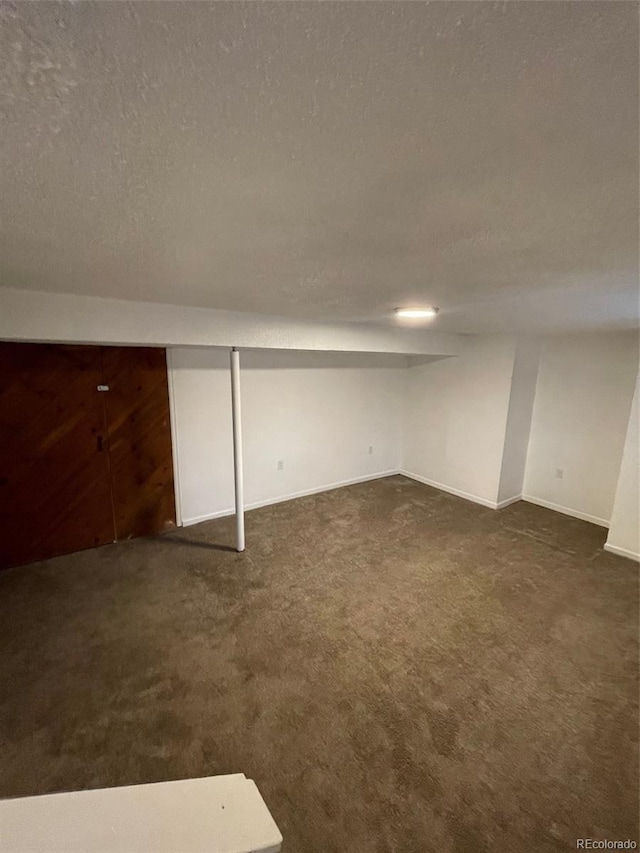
(54,477)
(139,434)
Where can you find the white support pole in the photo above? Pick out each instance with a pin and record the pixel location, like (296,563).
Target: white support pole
(237,447)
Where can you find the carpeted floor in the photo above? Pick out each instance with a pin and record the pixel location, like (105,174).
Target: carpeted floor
(398,670)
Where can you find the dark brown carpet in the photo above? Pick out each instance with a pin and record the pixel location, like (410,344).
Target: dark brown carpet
(398,669)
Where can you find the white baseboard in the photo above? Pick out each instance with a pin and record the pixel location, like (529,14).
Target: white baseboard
(208,516)
(187,522)
(622,552)
(565,510)
(508,501)
(601,522)
(444,488)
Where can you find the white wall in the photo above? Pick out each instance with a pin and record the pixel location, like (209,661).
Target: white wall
(465,418)
(455,418)
(53,317)
(624,531)
(317,412)
(580,416)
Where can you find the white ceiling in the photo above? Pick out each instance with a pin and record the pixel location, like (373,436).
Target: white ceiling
(328,160)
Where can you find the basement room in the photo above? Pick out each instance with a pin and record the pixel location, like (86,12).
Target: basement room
(319,452)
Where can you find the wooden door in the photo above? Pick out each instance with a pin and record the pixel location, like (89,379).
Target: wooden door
(80,466)
(139,434)
(55,491)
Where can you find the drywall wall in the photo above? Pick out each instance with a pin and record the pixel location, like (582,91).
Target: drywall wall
(624,530)
(316,412)
(518,429)
(455,418)
(52,317)
(580,417)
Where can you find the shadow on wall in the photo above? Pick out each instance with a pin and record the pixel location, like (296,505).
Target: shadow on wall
(208,358)
(419,360)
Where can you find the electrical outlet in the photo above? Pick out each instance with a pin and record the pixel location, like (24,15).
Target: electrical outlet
(371,448)
(280,464)
(559,473)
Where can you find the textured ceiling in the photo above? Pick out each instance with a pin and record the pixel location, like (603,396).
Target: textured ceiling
(326,159)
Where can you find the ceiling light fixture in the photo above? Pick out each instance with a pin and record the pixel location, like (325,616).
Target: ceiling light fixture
(416,313)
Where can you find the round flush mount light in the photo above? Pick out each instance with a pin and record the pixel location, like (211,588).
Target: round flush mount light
(416,313)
